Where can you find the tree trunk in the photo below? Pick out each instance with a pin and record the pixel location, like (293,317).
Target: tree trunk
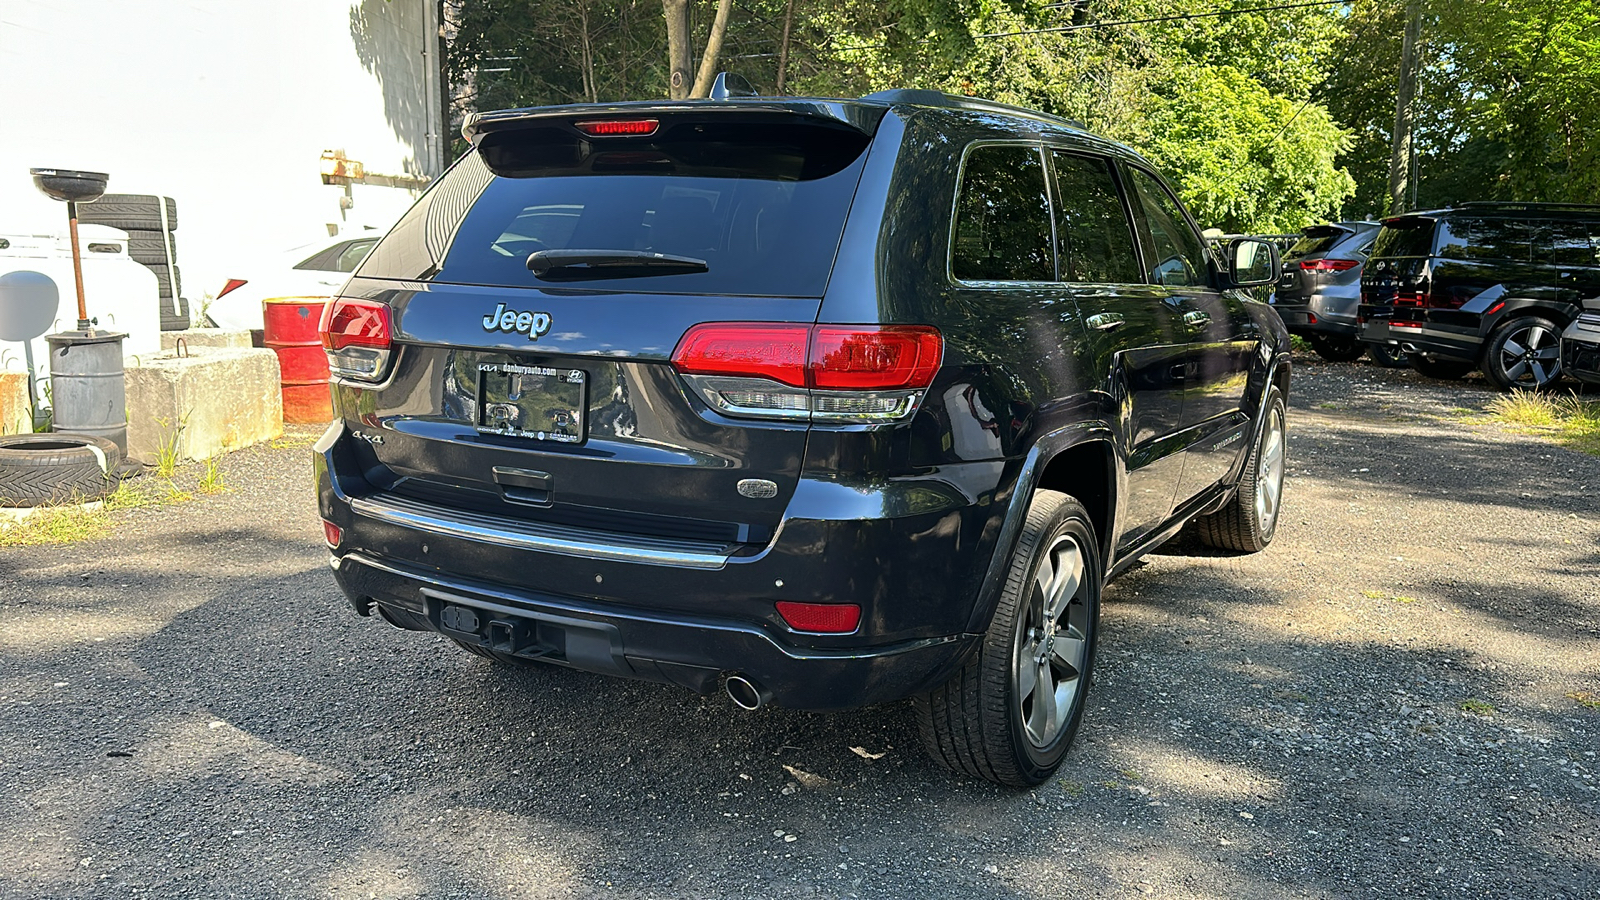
(708,62)
(1401,149)
(783,46)
(677,15)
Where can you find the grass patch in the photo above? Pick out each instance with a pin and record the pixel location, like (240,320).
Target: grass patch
(293,442)
(1477,707)
(1073,788)
(1566,419)
(211,481)
(71,524)
(1584,699)
(1383,595)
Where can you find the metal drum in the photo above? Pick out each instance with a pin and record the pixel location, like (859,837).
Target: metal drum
(87,390)
(291,331)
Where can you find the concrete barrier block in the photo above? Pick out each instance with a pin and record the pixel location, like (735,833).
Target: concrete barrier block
(216,399)
(195,338)
(16,416)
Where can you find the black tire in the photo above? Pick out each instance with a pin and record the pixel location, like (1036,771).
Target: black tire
(178,321)
(148,248)
(1248,522)
(162,284)
(43,469)
(1334,348)
(140,212)
(1390,356)
(1441,367)
(1524,353)
(986,721)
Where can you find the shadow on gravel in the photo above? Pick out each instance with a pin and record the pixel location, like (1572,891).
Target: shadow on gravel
(274,734)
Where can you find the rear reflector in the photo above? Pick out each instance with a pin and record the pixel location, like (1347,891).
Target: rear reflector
(357,335)
(333,533)
(1329,265)
(618,127)
(820,618)
(232,285)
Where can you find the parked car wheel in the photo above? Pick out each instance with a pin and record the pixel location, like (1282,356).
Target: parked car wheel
(1334,348)
(1010,714)
(1390,356)
(1524,353)
(1441,367)
(1250,519)
(41,469)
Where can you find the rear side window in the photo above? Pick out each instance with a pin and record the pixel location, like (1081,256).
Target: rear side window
(1405,237)
(1176,257)
(762,205)
(1567,244)
(1002,228)
(1485,239)
(1095,239)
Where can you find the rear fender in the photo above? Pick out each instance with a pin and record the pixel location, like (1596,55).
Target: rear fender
(1038,460)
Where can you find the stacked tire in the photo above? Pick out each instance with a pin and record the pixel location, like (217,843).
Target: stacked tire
(150,222)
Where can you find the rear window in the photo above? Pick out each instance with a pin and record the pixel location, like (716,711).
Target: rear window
(1485,239)
(1316,240)
(763,205)
(1406,237)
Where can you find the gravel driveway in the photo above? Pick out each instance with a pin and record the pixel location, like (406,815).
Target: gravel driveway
(1389,702)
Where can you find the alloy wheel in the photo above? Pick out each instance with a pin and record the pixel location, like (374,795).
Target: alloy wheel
(1531,356)
(1052,649)
(1269,475)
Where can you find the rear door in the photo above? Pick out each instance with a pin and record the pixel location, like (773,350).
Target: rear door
(1220,337)
(551,395)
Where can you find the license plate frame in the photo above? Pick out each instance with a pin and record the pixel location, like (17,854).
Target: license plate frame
(535,403)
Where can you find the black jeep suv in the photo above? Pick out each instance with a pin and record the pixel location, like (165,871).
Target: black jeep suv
(830,402)
(1483,285)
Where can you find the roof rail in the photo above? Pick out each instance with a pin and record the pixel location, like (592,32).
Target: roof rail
(1526,204)
(920,97)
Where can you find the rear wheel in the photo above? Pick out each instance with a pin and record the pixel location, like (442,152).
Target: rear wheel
(1441,367)
(1335,348)
(1010,714)
(1250,519)
(1390,356)
(1524,353)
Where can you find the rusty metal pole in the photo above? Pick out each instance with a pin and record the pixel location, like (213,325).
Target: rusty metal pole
(77,265)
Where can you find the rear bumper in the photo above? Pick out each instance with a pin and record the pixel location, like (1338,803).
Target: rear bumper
(681,611)
(1461,338)
(1319,314)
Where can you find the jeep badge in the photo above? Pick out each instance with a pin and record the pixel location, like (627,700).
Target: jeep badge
(532,324)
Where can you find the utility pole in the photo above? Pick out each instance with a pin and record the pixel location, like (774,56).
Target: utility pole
(1401,150)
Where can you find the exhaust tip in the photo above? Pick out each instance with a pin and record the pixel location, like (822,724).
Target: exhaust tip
(745,694)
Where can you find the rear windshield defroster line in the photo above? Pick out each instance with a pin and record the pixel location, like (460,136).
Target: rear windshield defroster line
(762,204)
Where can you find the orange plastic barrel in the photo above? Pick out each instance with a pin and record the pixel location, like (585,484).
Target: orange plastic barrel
(291,331)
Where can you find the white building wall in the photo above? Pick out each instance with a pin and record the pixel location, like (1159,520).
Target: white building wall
(225,105)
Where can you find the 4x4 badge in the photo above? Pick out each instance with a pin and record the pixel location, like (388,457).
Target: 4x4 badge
(532,324)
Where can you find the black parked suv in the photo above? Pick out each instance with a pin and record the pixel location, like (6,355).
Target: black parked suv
(1320,288)
(830,402)
(1483,285)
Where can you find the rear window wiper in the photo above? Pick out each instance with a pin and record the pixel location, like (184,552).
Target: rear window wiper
(576,265)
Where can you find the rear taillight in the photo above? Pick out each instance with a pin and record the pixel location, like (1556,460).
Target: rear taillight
(1329,265)
(232,285)
(839,373)
(332,533)
(357,336)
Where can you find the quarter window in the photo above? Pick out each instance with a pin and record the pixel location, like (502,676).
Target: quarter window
(1002,228)
(1566,244)
(1095,239)
(1176,256)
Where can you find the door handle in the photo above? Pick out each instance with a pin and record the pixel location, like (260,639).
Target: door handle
(1194,318)
(1105,321)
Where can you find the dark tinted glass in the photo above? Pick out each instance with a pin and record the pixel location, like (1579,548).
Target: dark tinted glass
(1405,237)
(1484,239)
(1566,244)
(1177,257)
(762,205)
(1003,218)
(1095,238)
(351,255)
(1314,241)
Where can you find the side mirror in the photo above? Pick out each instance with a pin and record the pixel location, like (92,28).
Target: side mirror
(1252,263)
